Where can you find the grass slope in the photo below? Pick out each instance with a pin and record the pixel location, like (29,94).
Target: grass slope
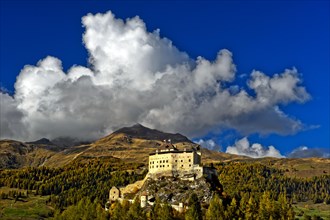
(33,207)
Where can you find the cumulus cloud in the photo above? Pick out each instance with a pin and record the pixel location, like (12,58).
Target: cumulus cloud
(209,144)
(305,152)
(256,150)
(11,118)
(138,76)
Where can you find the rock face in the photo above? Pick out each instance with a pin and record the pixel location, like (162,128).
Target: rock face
(175,190)
(141,132)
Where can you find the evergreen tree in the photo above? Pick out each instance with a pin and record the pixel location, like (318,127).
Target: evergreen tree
(162,211)
(194,211)
(135,211)
(232,210)
(156,209)
(166,213)
(117,211)
(216,209)
(266,206)
(251,209)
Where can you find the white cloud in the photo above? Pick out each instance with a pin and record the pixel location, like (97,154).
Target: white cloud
(138,76)
(256,150)
(304,152)
(209,144)
(11,118)
(279,88)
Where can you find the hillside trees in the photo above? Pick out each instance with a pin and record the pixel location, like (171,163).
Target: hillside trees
(68,185)
(253,190)
(162,211)
(216,209)
(240,178)
(85,209)
(194,211)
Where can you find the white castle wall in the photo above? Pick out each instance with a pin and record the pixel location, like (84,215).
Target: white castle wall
(173,162)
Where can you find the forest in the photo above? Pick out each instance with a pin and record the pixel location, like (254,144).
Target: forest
(80,189)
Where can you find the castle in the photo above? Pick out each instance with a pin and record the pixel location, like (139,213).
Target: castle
(169,161)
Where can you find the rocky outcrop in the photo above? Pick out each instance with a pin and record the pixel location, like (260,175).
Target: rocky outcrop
(175,190)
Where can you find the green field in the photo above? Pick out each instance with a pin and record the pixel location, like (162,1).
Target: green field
(32,207)
(310,209)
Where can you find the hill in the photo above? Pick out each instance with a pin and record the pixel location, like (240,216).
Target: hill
(15,154)
(133,145)
(138,131)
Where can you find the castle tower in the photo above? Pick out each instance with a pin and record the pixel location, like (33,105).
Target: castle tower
(114,194)
(180,207)
(143,199)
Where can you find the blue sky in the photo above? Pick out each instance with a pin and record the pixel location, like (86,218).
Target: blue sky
(266,36)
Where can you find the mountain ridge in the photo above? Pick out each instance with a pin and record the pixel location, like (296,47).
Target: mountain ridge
(133,145)
(141,132)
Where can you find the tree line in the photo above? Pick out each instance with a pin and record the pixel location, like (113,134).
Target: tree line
(68,185)
(250,191)
(256,178)
(219,208)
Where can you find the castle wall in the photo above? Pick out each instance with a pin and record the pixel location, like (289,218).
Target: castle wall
(180,162)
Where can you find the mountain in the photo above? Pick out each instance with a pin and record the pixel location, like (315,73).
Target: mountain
(133,145)
(138,131)
(15,154)
(41,141)
(67,142)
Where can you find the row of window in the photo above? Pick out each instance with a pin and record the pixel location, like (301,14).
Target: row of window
(159,166)
(166,161)
(151,167)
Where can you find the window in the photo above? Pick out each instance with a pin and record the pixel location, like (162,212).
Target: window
(176,161)
(190,165)
(157,166)
(182,165)
(189,160)
(166,161)
(160,162)
(163,161)
(168,165)
(181,160)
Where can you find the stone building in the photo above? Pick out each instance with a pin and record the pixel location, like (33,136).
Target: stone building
(170,161)
(166,161)
(114,194)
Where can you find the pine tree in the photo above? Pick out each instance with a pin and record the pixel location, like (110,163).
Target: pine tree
(166,213)
(216,209)
(283,206)
(194,211)
(162,211)
(231,213)
(117,211)
(251,209)
(266,207)
(135,211)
